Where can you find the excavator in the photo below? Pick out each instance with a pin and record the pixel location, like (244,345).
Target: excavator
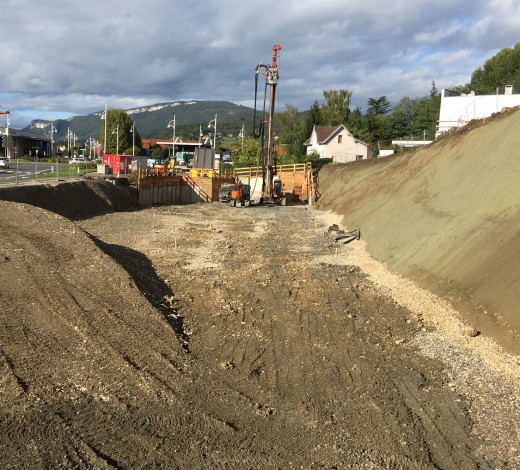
(159,166)
(163,165)
(236,194)
(240,195)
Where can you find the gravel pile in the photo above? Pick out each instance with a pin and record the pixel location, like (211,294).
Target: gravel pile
(478,368)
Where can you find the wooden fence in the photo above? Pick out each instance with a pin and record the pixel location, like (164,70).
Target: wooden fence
(202,185)
(297,179)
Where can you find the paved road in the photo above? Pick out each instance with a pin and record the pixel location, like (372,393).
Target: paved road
(24,170)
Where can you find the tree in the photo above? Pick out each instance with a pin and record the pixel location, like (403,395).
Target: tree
(433,91)
(376,119)
(118,131)
(312,118)
(502,69)
(246,154)
(402,117)
(132,150)
(378,107)
(291,135)
(336,109)
(159,152)
(416,117)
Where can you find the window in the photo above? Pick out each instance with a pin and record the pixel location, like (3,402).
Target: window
(340,139)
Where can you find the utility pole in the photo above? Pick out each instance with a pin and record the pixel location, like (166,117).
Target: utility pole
(213,124)
(242,136)
(172,125)
(132,130)
(116,132)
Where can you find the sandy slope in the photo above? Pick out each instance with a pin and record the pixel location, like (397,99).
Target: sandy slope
(447,216)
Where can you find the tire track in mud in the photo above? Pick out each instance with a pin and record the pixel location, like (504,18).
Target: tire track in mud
(308,326)
(280,384)
(291,363)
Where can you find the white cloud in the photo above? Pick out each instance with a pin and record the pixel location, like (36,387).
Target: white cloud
(73,57)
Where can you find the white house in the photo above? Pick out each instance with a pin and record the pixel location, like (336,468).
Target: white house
(338,143)
(458,109)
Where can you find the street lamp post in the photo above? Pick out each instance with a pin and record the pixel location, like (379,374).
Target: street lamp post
(241,134)
(116,132)
(132,130)
(69,138)
(90,141)
(213,125)
(53,131)
(105,117)
(51,136)
(172,125)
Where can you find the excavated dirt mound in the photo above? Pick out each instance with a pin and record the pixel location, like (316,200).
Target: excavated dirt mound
(446,216)
(143,339)
(75,200)
(206,336)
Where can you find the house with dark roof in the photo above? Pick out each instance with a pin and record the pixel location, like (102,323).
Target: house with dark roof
(337,143)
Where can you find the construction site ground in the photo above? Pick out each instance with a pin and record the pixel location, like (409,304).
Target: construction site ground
(205,336)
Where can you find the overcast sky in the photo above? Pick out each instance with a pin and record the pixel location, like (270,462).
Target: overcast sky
(60,58)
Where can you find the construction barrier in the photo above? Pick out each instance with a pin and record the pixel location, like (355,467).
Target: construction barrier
(202,185)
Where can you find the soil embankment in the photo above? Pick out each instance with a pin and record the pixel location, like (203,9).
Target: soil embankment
(142,339)
(74,200)
(446,216)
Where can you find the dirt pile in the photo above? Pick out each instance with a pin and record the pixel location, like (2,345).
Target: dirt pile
(447,216)
(206,336)
(74,200)
(142,339)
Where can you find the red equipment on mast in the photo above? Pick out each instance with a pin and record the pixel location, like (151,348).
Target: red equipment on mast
(269,192)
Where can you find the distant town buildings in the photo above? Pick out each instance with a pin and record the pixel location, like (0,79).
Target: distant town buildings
(19,143)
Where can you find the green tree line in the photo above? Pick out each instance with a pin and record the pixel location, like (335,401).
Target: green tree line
(410,118)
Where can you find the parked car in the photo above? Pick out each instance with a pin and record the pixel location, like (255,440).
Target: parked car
(78,160)
(4,162)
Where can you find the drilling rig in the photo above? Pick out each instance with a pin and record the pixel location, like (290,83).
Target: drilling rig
(271,186)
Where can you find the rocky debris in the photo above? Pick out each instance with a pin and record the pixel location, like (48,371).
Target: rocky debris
(258,348)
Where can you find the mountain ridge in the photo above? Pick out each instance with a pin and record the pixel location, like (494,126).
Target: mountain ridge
(151,121)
